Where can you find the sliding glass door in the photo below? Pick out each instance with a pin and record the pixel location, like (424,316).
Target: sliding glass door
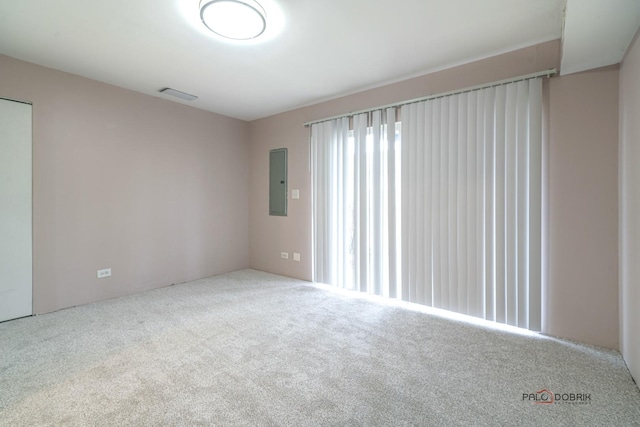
(437,202)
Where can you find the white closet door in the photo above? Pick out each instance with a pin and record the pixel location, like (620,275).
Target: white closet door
(15,210)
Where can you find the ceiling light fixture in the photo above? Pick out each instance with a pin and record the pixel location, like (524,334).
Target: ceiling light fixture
(234,19)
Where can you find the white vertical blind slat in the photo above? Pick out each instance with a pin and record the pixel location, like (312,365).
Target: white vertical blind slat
(331,211)
(362,217)
(427,258)
(444,203)
(344,219)
(417,114)
(462,192)
(392,202)
(480,290)
(511,155)
(489,203)
(414,187)
(500,220)
(535,204)
(405,192)
(522,112)
(452,208)
(318,140)
(472,217)
(376,187)
(411,253)
(436,200)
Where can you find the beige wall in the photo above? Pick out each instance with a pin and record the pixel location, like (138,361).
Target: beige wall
(582,291)
(630,208)
(154,190)
(582,270)
(271,235)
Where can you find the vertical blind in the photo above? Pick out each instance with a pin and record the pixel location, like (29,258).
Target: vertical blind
(442,208)
(355,202)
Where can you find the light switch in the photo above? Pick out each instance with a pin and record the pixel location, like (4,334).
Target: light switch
(295,194)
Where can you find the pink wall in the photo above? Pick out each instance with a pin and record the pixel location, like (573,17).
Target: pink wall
(582,279)
(154,190)
(630,208)
(582,291)
(271,235)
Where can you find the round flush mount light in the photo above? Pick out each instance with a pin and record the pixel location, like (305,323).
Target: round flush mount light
(234,19)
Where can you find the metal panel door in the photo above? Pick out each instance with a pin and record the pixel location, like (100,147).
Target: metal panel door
(278,182)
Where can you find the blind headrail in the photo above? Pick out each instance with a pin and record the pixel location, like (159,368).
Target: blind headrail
(546,73)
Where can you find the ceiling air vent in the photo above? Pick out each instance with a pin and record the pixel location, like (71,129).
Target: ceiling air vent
(178,94)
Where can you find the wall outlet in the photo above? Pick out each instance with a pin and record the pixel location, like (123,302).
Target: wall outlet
(296,256)
(295,194)
(104,273)
(284,255)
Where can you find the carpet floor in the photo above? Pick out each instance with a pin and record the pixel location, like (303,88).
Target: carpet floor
(256,349)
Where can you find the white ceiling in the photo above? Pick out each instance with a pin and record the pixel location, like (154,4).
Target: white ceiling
(324,48)
(597,33)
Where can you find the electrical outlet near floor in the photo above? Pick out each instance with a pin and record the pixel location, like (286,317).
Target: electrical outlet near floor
(284,255)
(296,256)
(104,273)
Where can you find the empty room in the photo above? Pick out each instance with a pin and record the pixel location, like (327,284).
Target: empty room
(305,212)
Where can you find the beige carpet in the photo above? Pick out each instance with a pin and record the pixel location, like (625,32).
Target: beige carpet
(250,348)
